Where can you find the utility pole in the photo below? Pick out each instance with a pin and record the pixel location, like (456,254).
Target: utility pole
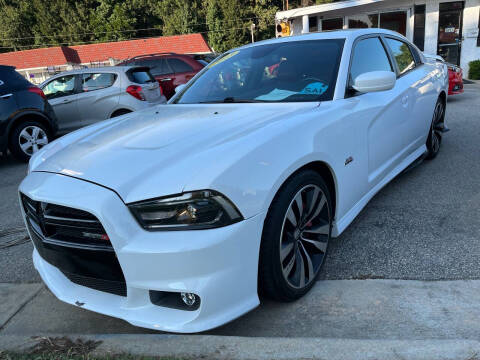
(252,29)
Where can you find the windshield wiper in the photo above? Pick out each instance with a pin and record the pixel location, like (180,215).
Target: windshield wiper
(232,100)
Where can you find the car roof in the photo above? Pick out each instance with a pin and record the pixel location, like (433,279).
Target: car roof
(107,69)
(157,56)
(325,35)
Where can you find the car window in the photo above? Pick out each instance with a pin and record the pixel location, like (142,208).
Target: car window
(59,87)
(140,76)
(403,55)
(158,67)
(292,71)
(368,55)
(92,82)
(179,66)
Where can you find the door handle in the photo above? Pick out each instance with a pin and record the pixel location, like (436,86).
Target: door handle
(167,79)
(405,100)
(66,101)
(6,96)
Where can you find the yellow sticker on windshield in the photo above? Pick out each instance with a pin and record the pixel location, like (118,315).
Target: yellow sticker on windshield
(226,57)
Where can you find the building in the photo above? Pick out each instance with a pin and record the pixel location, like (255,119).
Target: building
(39,64)
(443,27)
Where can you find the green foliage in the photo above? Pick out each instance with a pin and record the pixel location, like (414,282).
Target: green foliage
(474,70)
(40,23)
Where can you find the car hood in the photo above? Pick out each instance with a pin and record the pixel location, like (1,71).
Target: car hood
(155,152)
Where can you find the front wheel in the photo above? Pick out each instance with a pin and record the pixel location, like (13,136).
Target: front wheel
(295,237)
(27,139)
(434,139)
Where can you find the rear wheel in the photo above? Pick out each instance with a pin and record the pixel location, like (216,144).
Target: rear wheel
(27,139)
(434,139)
(295,237)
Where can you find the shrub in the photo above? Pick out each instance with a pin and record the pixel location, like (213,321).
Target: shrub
(474,70)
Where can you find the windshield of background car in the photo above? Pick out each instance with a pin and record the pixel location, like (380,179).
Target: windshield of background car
(292,71)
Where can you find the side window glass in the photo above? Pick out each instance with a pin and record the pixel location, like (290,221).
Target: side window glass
(159,67)
(403,55)
(59,87)
(179,66)
(368,55)
(92,82)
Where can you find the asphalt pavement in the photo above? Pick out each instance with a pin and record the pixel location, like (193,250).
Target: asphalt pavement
(424,225)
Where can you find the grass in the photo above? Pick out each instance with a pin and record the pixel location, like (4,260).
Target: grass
(64,348)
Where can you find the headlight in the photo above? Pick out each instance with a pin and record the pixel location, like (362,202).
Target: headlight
(190,211)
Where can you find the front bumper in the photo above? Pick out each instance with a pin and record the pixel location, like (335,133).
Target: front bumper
(219,265)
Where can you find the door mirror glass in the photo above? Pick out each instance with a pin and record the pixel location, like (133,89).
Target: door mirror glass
(179,88)
(374,81)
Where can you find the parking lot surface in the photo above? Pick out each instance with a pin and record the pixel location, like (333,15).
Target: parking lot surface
(424,225)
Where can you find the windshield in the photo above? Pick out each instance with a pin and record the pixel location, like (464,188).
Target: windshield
(291,71)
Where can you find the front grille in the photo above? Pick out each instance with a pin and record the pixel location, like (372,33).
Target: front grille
(67,226)
(76,243)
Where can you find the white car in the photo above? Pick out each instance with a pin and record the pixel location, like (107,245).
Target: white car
(176,219)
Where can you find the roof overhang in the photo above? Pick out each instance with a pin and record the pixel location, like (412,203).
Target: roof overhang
(315,9)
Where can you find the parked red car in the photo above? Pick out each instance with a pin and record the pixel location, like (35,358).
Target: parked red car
(455,75)
(455,79)
(169,69)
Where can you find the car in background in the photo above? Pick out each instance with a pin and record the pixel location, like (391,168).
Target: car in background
(170,69)
(455,75)
(27,121)
(86,96)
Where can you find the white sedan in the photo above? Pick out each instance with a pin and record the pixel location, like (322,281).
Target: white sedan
(177,219)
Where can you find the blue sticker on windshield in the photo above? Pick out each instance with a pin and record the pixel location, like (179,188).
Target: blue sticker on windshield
(316,88)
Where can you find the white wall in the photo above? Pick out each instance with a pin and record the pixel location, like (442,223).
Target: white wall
(431,26)
(470,50)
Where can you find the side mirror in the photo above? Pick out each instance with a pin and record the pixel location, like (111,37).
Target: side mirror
(179,88)
(375,81)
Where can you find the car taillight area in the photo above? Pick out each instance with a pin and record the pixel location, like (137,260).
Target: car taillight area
(75,242)
(37,91)
(136,91)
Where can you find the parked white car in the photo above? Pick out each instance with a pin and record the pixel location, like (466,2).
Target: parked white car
(173,219)
(83,97)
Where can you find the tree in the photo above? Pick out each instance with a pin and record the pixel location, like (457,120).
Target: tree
(16,22)
(181,16)
(111,20)
(227,23)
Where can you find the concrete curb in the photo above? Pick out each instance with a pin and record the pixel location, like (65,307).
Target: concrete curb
(244,348)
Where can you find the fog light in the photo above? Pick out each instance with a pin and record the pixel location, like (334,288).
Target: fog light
(188,298)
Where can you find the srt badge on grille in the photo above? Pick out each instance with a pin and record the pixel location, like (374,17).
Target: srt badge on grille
(96,236)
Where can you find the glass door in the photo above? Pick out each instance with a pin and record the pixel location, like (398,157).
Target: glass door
(450,31)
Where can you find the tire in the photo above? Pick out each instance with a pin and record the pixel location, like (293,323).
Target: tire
(434,139)
(303,245)
(27,138)
(120,113)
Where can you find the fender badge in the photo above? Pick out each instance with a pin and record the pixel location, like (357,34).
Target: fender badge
(78,303)
(348,160)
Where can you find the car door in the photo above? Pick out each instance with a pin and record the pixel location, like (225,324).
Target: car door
(418,93)
(62,93)
(383,114)
(183,71)
(8,105)
(98,96)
